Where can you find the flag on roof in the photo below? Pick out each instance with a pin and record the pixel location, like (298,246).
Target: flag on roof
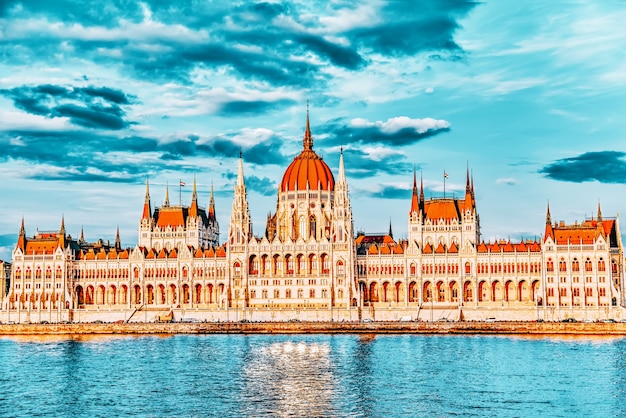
(445,175)
(182,183)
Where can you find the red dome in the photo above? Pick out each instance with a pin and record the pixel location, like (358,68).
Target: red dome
(308,169)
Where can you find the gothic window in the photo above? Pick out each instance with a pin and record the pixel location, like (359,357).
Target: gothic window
(288,293)
(562,265)
(276,293)
(575,265)
(302,227)
(312,293)
(340,269)
(588,265)
(601,265)
(312,226)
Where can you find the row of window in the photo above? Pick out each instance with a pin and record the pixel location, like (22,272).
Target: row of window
(37,285)
(575,265)
(576,292)
(288,294)
(576,279)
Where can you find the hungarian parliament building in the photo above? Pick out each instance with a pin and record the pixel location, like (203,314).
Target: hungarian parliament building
(310,265)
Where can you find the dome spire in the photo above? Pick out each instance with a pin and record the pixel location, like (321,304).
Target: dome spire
(307,142)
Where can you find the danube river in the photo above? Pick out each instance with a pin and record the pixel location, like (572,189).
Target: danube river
(312,375)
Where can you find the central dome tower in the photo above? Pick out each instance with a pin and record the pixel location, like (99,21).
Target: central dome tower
(307,171)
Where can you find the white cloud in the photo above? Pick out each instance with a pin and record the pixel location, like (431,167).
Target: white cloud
(393,125)
(379,153)
(509,181)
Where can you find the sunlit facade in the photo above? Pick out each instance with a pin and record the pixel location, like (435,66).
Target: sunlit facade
(311,265)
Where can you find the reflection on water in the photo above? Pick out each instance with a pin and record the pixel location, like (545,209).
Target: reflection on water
(312,375)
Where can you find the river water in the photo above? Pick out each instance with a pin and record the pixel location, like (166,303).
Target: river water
(312,375)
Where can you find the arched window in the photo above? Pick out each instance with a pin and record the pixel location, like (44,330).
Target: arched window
(550,265)
(276,293)
(264,293)
(588,264)
(302,227)
(601,265)
(468,268)
(575,265)
(340,269)
(562,265)
(237,267)
(312,293)
(312,226)
(288,293)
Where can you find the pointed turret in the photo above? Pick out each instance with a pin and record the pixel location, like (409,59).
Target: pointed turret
(469,194)
(549,231)
(414,196)
(118,241)
(147,209)
(167,196)
(62,233)
(21,240)
(211,205)
(422,199)
(240,228)
(599,219)
(193,209)
(390,231)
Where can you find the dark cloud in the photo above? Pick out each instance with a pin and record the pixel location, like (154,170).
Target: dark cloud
(8,239)
(90,107)
(390,192)
(264,186)
(340,132)
(252,107)
(602,166)
(358,164)
(250,40)
(413,27)
(89,156)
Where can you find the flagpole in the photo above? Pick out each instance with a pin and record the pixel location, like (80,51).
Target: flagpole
(180,192)
(444,184)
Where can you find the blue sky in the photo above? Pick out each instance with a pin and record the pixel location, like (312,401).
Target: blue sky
(95,97)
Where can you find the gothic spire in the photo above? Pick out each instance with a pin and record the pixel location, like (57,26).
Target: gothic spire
(147,210)
(307,142)
(211,204)
(118,241)
(193,209)
(548,216)
(414,197)
(167,195)
(21,240)
(599,212)
(421,190)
